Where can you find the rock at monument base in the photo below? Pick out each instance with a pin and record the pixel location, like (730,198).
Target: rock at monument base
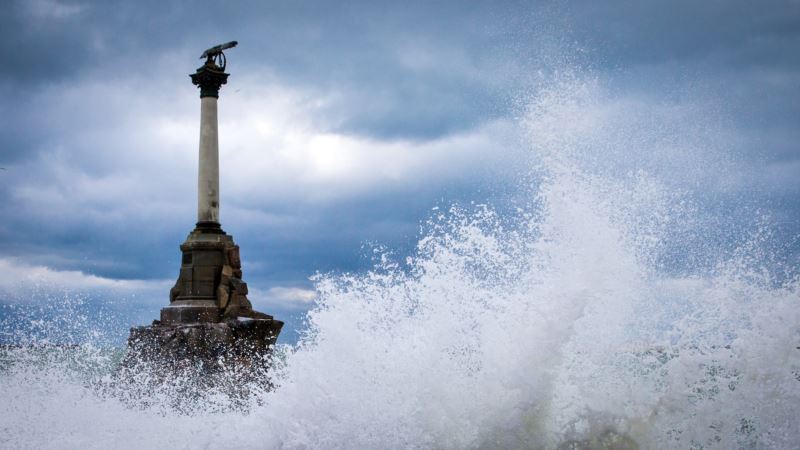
(240,341)
(190,362)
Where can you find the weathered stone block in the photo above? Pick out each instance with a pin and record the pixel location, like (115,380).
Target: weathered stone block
(189,366)
(242,340)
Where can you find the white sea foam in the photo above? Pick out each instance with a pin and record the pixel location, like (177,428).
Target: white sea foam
(570,321)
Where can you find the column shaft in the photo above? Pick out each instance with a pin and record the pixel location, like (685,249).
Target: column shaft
(208,169)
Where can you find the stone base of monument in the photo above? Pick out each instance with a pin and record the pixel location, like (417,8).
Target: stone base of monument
(243,340)
(188,362)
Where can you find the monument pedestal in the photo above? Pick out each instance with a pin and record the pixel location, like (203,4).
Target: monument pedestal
(210,286)
(194,296)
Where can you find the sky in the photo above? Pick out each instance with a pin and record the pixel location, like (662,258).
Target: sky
(344,124)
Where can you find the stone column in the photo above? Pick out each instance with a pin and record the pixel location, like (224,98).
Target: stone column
(208,168)
(209,79)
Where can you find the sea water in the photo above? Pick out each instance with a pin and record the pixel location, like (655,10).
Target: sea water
(609,307)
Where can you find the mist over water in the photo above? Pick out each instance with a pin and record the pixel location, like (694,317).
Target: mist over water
(611,306)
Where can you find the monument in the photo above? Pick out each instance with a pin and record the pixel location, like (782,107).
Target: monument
(209,321)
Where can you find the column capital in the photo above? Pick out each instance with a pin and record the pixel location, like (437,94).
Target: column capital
(209,78)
